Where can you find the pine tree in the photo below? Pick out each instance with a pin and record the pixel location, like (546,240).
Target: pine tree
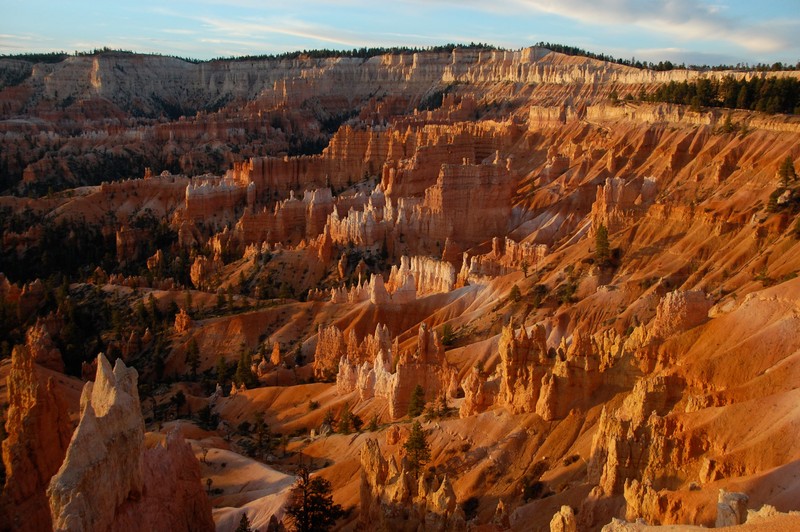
(602,251)
(263,436)
(244,524)
(417,449)
(786,171)
(311,504)
(417,403)
(515,295)
(222,370)
(374,423)
(193,356)
(328,419)
(345,425)
(244,372)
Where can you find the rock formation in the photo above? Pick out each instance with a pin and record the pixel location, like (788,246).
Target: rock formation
(391,498)
(522,359)
(564,521)
(38,428)
(630,442)
(102,483)
(375,369)
(42,348)
(183,322)
(731,509)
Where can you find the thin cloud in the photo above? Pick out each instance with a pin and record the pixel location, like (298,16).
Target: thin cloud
(292,28)
(684,19)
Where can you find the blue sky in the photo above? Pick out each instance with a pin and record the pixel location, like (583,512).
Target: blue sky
(694,31)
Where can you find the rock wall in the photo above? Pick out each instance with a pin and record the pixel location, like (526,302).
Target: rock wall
(108,481)
(522,366)
(42,348)
(39,429)
(620,203)
(632,442)
(392,499)
(376,370)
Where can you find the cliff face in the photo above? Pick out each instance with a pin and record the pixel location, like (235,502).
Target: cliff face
(38,428)
(378,368)
(108,480)
(392,498)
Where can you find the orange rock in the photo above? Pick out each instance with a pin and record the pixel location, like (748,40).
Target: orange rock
(183,322)
(39,430)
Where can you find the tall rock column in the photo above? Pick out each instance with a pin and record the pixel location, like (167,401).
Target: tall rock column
(39,429)
(109,481)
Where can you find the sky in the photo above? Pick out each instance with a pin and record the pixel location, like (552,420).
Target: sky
(691,31)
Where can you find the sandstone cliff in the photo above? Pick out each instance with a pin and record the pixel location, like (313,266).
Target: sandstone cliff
(108,480)
(38,428)
(393,499)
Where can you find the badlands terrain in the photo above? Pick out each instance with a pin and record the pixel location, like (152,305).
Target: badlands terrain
(214,273)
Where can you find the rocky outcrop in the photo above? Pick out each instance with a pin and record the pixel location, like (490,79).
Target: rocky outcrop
(564,521)
(173,495)
(213,200)
(731,509)
(480,392)
(679,311)
(353,373)
(375,370)
(103,483)
(392,499)
(203,269)
(427,275)
(331,347)
(635,441)
(102,468)
(522,367)
(183,322)
(619,203)
(42,348)
(38,428)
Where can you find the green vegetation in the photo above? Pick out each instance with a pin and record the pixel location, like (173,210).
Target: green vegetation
(244,524)
(417,449)
(786,172)
(417,403)
(448,337)
(602,249)
(311,504)
(769,95)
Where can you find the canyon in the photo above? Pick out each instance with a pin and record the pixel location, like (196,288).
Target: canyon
(588,302)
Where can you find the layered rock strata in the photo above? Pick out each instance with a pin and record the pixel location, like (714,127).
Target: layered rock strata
(108,481)
(39,429)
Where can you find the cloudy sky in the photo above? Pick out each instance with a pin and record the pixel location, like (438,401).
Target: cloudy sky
(691,31)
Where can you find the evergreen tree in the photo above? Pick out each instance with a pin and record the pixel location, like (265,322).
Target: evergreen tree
(244,371)
(602,251)
(311,504)
(328,419)
(263,436)
(417,403)
(417,449)
(374,423)
(193,356)
(515,295)
(222,370)
(244,524)
(345,425)
(447,335)
(786,171)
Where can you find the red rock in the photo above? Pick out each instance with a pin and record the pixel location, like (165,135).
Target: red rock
(39,429)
